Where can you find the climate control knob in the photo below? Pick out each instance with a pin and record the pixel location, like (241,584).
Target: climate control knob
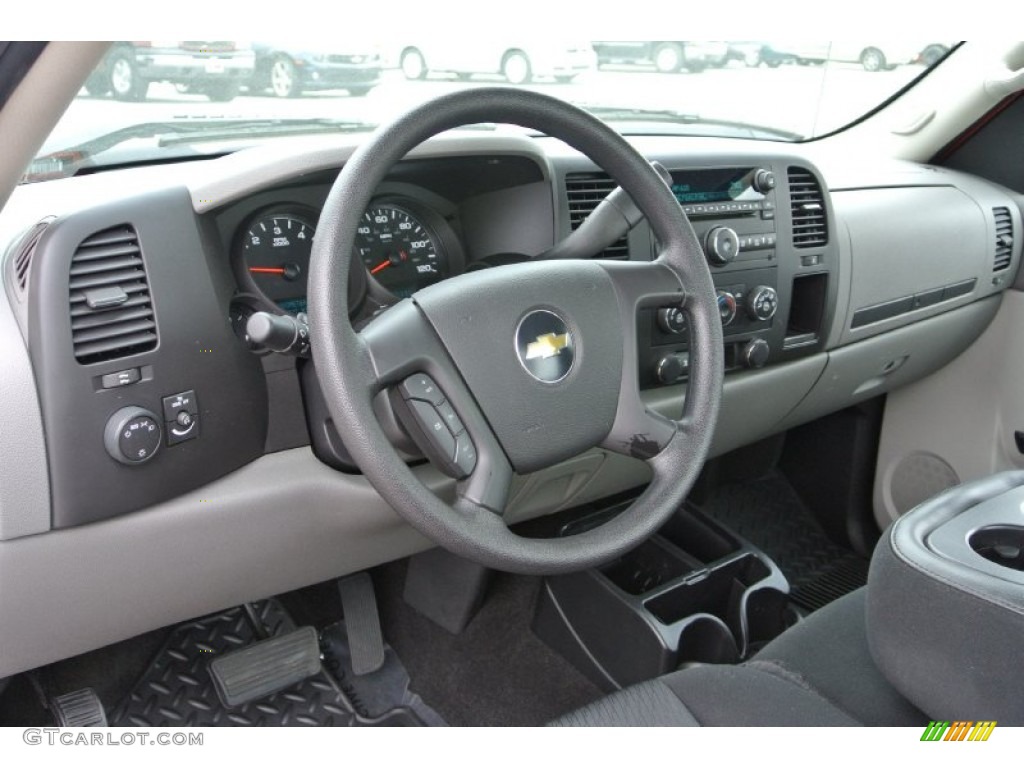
(672,367)
(755,353)
(672,320)
(726,307)
(721,245)
(762,302)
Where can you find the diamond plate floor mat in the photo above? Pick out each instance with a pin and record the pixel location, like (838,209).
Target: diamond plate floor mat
(177,690)
(769,514)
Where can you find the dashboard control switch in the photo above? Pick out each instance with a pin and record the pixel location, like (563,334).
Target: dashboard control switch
(755,353)
(762,302)
(726,307)
(181,414)
(672,367)
(764,180)
(132,435)
(121,378)
(721,245)
(672,320)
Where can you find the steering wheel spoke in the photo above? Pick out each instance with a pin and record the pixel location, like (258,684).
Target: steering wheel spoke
(434,405)
(638,431)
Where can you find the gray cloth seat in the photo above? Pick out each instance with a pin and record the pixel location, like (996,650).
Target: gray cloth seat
(819,672)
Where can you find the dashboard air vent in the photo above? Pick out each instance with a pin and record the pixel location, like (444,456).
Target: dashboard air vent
(585,191)
(21,264)
(1004,239)
(111,310)
(807,204)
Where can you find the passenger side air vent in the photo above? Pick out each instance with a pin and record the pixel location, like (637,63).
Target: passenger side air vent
(807,204)
(111,311)
(1004,239)
(585,191)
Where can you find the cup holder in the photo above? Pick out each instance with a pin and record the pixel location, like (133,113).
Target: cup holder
(1000,544)
(694,592)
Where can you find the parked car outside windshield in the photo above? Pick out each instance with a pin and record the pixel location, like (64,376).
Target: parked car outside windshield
(152,100)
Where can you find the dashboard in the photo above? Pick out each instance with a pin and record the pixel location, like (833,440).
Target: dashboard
(155,426)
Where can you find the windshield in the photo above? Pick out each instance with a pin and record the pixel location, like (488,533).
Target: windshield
(151,101)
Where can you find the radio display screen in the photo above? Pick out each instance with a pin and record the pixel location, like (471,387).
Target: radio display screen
(714,185)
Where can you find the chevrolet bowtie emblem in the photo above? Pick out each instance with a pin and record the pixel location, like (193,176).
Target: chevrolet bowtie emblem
(547,345)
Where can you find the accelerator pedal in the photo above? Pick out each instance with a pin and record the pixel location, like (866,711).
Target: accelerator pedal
(79,709)
(266,667)
(362,622)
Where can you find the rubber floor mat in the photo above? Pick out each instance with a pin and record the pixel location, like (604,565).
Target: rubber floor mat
(177,690)
(769,514)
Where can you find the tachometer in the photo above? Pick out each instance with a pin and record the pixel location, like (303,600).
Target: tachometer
(399,250)
(275,255)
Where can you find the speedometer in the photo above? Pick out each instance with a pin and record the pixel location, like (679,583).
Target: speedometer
(399,250)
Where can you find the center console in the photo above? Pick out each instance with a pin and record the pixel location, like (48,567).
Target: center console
(695,592)
(764,230)
(945,605)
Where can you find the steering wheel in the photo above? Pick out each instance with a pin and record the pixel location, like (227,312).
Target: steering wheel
(537,361)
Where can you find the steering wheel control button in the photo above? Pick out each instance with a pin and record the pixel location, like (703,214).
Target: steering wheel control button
(450,417)
(121,378)
(181,414)
(672,320)
(465,455)
(421,387)
(545,346)
(433,426)
(132,435)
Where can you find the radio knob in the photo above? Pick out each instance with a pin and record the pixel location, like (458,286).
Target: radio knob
(762,302)
(726,307)
(672,366)
(721,245)
(764,181)
(672,320)
(755,353)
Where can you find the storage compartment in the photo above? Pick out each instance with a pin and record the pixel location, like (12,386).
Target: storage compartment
(806,309)
(1001,544)
(717,591)
(692,593)
(648,566)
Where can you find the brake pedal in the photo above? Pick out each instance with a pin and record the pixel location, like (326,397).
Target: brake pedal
(266,667)
(79,709)
(362,623)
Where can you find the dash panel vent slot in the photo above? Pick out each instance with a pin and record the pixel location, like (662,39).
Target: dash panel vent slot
(1004,239)
(111,308)
(584,191)
(807,205)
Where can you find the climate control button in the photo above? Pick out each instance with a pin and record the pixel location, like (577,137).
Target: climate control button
(762,302)
(726,307)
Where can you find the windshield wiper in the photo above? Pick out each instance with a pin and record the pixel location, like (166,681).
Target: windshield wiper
(684,120)
(183,133)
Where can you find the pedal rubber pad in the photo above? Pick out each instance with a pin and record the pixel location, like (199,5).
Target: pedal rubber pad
(362,622)
(79,709)
(266,667)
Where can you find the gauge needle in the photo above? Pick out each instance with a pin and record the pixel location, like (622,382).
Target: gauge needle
(382,266)
(267,270)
